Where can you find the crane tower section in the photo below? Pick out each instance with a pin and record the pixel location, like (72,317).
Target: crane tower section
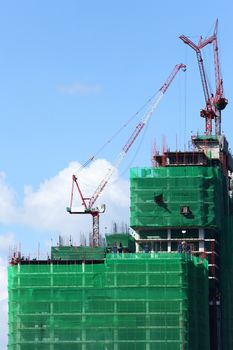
(215,103)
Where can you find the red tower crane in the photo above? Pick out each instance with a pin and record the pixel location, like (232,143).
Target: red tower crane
(214,103)
(220,101)
(209,111)
(88,202)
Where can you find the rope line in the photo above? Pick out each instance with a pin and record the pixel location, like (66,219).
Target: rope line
(93,157)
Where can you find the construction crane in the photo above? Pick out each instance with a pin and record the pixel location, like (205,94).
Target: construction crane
(209,111)
(88,202)
(220,102)
(214,103)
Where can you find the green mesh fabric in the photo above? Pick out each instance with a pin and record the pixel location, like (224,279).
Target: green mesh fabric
(131,301)
(227,283)
(125,239)
(77,253)
(199,188)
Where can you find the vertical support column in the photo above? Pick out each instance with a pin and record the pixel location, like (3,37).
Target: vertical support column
(115,331)
(83,331)
(182,331)
(51,346)
(18,321)
(95,233)
(183,315)
(147,311)
(137,236)
(201,236)
(169,246)
(152,247)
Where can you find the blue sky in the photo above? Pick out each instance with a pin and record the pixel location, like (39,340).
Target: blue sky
(122,51)
(72,73)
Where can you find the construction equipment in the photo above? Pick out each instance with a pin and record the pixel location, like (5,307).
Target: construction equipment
(209,111)
(220,101)
(214,103)
(88,202)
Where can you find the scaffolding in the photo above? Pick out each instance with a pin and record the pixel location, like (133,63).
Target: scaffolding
(227,283)
(170,196)
(129,301)
(165,296)
(193,205)
(76,253)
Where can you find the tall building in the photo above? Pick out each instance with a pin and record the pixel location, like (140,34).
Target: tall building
(173,292)
(186,200)
(167,287)
(118,301)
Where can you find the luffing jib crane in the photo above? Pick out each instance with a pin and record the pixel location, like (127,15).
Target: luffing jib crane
(214,103)
(220,101)
(88,202)
(208,112)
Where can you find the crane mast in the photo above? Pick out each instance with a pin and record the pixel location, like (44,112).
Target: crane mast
(208,112)
(214,103)
(220,101)
(88,202)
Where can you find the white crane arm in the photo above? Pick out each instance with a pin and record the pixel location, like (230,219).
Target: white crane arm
(152,106)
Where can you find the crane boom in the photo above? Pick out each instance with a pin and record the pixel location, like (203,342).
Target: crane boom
(218,79)
(196,48)
(208,113)
(88,203)
(125,149)
(153,104)
(220,100)
(214,104)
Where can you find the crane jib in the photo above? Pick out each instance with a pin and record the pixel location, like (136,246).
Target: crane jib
(89,209)
(133,136)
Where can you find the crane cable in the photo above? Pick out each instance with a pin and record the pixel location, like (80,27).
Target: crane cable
(115,134)
(135,153)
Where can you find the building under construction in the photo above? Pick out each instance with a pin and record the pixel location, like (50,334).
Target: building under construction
(166,287)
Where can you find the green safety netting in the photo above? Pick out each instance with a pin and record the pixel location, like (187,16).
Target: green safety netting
(226,280)
(159,194)
(77,253)
(125,239)
(205,190)
(129,301)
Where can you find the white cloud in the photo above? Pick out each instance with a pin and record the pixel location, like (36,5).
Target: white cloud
(3,303)
(3,280)
(7,241)
(3,335)
(45,207)
(8,213)
(79,89)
